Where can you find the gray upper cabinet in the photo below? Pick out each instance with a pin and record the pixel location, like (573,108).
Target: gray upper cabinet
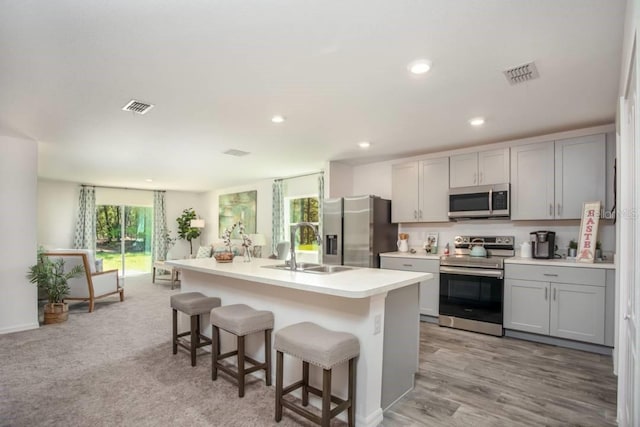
(481,168)
(551,180)
(419,191)
(580,174)
(404,192)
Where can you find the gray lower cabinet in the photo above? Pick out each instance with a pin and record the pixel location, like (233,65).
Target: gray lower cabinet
(565,302)
(429,289)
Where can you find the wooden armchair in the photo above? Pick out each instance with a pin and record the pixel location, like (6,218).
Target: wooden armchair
(92,285)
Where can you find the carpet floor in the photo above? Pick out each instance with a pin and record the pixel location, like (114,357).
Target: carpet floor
(115,367)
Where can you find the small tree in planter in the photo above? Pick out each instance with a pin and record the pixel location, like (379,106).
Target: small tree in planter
(185,230)
(50,277)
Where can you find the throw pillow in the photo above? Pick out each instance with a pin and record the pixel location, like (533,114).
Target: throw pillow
(204,252)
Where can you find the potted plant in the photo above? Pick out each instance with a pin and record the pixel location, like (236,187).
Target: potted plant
(598,250)
(50,277)
(185,230)
(573,248)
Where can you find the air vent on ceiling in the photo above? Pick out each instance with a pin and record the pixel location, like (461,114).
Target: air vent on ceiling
(521,73)
(237,153)
(137,107)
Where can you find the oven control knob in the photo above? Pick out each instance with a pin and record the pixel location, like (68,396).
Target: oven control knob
(499,240)
(458,240)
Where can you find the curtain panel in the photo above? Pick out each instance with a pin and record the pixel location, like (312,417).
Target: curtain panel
(85,231)
(160,238)
(277,220)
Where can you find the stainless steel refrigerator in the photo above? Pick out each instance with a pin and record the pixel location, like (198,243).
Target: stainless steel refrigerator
(356,230)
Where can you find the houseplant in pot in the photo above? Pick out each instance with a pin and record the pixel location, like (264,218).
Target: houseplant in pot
(50,276)
(573,249)
(185,230)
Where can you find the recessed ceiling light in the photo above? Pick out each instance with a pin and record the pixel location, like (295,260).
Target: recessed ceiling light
(149,180)
(477,121)
(277,119)
(419,66)
(364,144)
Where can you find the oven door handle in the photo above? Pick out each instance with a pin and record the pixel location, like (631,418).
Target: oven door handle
(498,274)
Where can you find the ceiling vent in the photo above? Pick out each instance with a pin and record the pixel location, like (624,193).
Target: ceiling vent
(137,107)
(521,73)
(237,153)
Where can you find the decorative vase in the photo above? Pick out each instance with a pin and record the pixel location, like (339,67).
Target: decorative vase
(56,312)
(247,254)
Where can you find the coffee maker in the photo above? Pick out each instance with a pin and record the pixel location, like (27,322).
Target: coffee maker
(543,244)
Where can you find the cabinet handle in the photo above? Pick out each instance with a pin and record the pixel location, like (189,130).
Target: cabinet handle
(554,294)
(407,265)
(415,214)
(559,209)
(546,293)
(475,175)
(481,178)
(627,317)
(550,275)
(420,214)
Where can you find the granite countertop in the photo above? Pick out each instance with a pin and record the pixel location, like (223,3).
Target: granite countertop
(353,283)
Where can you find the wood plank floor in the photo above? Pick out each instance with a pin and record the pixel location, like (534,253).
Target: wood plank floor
(469,379)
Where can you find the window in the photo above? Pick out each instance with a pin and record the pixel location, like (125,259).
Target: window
(303,209)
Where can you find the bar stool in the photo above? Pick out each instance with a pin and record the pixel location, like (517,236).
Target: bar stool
(240,320)
(193,304)
(324,348)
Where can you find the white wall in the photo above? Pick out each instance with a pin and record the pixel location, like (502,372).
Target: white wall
(57,212)
(338,180)
(18,196)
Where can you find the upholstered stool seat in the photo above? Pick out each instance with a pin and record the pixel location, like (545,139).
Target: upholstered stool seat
(193,304)
(240,320)
(324,348)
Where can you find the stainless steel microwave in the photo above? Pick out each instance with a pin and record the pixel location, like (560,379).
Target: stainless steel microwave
(480,201)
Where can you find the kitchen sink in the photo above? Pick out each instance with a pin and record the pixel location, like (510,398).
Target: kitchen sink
(307,267)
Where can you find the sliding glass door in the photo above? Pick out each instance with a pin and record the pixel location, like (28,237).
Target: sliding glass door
(123,238)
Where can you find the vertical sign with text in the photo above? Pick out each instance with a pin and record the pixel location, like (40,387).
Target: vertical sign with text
(588,232)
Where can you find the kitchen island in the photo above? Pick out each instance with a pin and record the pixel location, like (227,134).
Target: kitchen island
(380,307)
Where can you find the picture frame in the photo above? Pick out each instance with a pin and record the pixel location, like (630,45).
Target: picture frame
(237,207)
(431,243)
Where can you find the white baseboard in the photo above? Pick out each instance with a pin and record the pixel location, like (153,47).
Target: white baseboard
(19,328)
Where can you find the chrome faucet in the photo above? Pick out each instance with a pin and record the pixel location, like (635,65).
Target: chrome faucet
(292,263)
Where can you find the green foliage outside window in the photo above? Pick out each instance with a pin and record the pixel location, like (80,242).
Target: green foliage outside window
(304,210)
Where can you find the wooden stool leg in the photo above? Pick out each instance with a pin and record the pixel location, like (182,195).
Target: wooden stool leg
(215,351)
(194,338)
(175,331)
(326,397)
(351,414)
(153,278)
(279,375)
(267,356)
(305,383)
(241,366)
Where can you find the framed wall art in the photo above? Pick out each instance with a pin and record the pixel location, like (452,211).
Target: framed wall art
(236,207)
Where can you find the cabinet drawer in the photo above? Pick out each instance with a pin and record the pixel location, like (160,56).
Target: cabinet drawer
(545,273)
(410,264)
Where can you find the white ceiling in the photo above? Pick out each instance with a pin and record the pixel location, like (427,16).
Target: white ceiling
(218,70)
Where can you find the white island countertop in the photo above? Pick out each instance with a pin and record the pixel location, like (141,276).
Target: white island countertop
(355,283)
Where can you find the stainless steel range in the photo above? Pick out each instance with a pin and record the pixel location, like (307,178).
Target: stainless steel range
(472,283)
